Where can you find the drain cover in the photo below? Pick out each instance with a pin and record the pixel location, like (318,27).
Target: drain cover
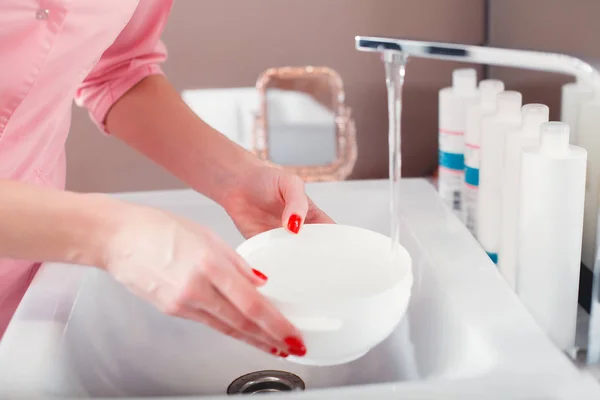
(266,382)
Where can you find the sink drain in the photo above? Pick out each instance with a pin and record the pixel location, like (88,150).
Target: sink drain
(266,382)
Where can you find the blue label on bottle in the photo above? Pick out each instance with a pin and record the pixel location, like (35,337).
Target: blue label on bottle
(493,256)
(452,160)
(472,176)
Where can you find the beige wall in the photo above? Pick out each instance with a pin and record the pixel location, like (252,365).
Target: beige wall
(566,26)
(228,43)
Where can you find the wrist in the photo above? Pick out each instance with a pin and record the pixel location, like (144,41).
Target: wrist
(235,177)
(95,221)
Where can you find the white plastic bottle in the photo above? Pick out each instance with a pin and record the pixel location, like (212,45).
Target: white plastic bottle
(550,231)
(453,103)
(488,90)
(588,127)
(532,117)
(573,95)
(507,118)
(580,109)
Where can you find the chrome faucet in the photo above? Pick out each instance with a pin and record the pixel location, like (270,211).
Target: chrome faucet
(392,48)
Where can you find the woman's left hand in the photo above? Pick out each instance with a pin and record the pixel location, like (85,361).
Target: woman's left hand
(266,197)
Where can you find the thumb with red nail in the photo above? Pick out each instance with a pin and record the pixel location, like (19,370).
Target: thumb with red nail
(266,197)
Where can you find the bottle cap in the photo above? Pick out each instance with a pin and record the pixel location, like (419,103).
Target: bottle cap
(554,138)
(464,80)
(532,116)
(489,89)
(509,104)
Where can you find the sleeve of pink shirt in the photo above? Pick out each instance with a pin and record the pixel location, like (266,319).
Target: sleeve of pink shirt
(135,54)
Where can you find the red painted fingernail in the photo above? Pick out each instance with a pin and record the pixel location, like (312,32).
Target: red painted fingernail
(298,351)
(274,350)
(293,341)
(294,223)
(259,274)
(296,345)
(283,354)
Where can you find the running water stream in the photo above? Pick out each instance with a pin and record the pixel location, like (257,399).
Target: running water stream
(395,69)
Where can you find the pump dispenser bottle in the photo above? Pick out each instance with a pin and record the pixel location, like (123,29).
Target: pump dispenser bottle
(550,232)
(532,117)
(507,118)
(453,103)
(488,90)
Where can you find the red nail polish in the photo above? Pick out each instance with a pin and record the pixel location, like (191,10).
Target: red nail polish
(293,341)
(296,345)
(259,274)
(298,351)
(274,350)
(283,354)
(294,223)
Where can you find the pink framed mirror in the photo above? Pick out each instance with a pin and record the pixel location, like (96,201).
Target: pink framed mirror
(303,124)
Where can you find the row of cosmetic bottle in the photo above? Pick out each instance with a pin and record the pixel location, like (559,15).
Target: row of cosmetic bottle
(518,182)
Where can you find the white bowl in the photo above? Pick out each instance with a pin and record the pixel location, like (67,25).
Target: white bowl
(339,285)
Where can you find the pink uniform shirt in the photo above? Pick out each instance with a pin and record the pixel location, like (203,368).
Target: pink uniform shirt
(51,52)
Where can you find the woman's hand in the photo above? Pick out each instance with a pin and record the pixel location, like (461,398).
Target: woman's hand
(265,197)
(187,271)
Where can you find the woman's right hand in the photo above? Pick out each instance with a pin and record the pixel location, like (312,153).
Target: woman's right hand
(187,271)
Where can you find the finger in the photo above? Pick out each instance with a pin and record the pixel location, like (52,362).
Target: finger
(257,277)
(291,188)
(210,300)
(317,216)
(244,296)
(176,305)
(210,320)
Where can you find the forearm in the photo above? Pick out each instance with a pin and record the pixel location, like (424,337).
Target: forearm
(153,119)
(40,224)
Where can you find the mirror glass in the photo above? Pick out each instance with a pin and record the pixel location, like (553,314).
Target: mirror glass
(301,119)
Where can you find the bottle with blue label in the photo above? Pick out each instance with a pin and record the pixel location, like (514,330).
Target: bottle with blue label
(453,104)
(488,90)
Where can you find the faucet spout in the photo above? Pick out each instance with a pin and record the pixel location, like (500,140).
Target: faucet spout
(525,59)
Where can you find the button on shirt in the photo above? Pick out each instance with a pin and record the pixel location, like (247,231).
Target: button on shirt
(51,52)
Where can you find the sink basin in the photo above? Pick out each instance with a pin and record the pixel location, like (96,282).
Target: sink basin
(79,333)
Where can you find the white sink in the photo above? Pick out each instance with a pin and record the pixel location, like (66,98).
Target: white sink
(79,333)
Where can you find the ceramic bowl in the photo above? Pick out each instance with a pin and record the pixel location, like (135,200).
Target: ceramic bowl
(339,285)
